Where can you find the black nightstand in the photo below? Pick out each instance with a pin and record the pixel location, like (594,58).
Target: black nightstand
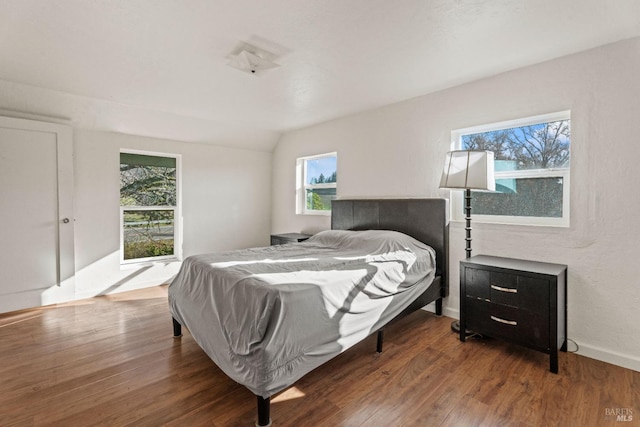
(524,302)
(281,239)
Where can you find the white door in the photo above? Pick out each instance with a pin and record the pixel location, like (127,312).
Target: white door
(36,214)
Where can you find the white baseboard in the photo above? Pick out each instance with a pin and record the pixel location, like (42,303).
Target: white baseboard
(94,292)
(625,360)
(33,298)
(22,300)
(446,311)
(451,312)
(604,355)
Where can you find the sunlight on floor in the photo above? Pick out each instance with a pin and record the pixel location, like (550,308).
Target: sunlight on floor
(288,394)
(152,292)
(11,318)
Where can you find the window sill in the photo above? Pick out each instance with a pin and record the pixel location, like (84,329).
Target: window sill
(135,265)
(316,213)
(483,222)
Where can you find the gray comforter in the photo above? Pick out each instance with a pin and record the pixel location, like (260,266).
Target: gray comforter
(267,316)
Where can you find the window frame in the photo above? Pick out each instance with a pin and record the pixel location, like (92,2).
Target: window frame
(177,213)
(457,197)
(302,186)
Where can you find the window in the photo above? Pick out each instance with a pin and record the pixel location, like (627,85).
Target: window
(148,207)
(317,183)
(532,164)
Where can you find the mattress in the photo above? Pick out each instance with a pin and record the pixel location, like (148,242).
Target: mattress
(267,316)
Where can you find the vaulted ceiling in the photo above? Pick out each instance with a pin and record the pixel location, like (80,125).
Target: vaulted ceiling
(160,67)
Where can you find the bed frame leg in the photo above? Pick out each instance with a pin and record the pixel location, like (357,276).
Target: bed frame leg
(177,329)
(264,409)
(379,343)
(439,307)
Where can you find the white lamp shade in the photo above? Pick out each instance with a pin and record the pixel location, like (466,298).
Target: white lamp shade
(469,169)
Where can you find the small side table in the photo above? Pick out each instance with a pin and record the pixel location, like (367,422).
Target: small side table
(521,301)
(284,238)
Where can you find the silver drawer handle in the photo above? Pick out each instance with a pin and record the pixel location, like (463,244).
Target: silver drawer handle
(506,322)
(501,289)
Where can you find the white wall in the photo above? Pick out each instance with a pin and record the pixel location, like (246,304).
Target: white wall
(398,150)
(226,200)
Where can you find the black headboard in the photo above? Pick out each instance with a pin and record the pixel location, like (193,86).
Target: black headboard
(422,219)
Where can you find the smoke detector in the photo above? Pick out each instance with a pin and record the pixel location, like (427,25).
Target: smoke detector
(251,59)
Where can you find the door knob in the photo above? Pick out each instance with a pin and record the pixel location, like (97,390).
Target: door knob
(65,220)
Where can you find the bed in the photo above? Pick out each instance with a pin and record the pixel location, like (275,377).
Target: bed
(267,316)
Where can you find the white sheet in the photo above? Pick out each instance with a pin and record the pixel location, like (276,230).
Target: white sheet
(267,316)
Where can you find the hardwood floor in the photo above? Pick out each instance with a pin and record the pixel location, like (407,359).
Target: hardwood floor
(112,361)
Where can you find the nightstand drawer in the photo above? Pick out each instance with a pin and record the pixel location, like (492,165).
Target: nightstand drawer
(508,289)
(499,321)
(504,289)
(509,323)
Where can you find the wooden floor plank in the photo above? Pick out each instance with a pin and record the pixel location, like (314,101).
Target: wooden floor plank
(113,361)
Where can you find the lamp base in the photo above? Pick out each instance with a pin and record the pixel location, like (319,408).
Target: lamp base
(455,327)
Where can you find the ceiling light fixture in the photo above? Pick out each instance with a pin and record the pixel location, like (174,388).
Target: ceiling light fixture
(251,59)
